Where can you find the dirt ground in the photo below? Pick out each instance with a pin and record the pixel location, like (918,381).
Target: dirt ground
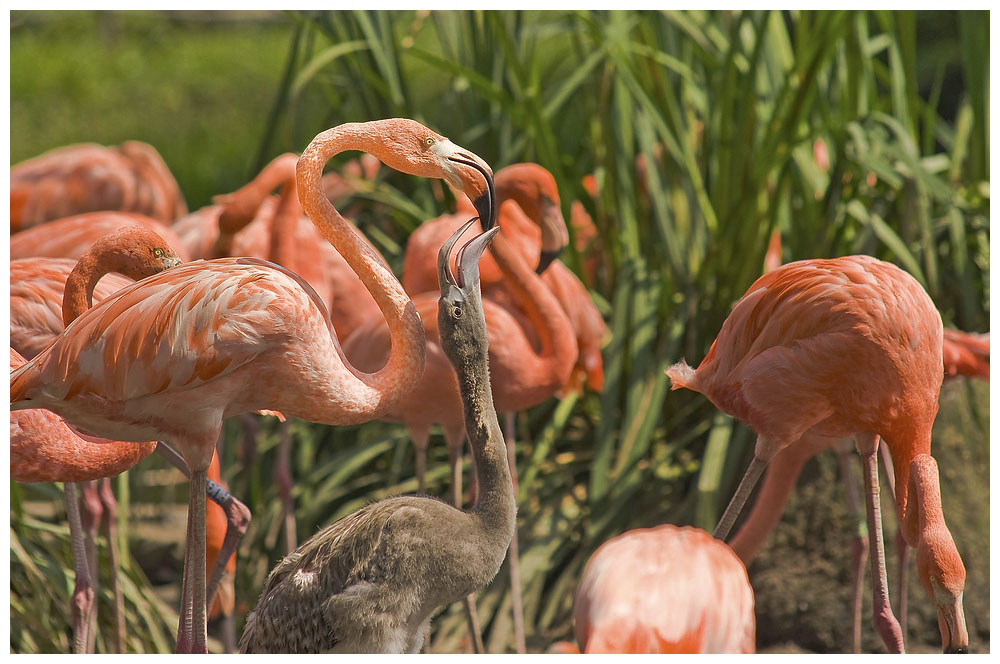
(802,577)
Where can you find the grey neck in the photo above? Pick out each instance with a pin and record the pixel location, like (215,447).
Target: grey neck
(495,503)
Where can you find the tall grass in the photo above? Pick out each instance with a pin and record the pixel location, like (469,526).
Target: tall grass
(725,110)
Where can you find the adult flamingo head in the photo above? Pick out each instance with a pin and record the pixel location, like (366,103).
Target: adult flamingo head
(417,150)
(534,189)
(460,308)
(939,566)
(134,251)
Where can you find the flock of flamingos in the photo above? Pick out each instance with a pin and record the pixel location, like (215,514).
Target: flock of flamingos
(132,321)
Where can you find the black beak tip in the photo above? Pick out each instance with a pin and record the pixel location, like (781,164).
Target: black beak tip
(546,258)
(957,651)
(486,215)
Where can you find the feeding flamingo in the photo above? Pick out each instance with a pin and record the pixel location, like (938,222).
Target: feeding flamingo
(371,581)
(785,363)
(968,351)
(664,590)
(522,374)
(130,177)
(172,356)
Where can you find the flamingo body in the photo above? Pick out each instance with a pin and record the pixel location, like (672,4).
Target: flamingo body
(36,291)
(70,237)
(664,590)
(131,177)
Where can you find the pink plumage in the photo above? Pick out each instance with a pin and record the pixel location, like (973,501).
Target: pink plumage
(664,590)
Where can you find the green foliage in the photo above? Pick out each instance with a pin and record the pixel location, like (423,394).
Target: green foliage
(704,132)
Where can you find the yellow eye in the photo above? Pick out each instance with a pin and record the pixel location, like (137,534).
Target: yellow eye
(157,252)
(429,141)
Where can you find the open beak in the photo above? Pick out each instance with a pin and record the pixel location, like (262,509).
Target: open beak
(467,260)
(951,621)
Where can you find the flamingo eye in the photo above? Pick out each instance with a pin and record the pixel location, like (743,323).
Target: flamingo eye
(158,252)
(429,141)
(456,312)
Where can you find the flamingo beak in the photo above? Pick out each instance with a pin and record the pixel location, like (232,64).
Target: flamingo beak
(486,202)
(951,621)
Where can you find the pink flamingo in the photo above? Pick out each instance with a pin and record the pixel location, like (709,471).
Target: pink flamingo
(70,237)
(42,447)
(66,181)
(44,292)
(970,357)
(664,590)
(172,356)
(785,363)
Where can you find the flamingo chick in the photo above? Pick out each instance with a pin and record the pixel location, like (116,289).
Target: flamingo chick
(370,581)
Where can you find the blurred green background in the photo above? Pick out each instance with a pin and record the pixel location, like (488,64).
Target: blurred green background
(725,109)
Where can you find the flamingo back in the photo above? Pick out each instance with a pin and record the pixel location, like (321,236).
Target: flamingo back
(664,590)
(36,291)
(70,237)
(89,177)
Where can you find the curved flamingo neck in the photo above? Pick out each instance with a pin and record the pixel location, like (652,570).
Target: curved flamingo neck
(240,207)
(408,344)
(555,332)
(283,228)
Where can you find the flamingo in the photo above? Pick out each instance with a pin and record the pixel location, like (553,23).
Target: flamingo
(43,448)
(522,375)
(970,355)
(44,292)
(371,581)
(131,177)
(70,237)
(664,590)
(172,356)
(785,363)
(280,233)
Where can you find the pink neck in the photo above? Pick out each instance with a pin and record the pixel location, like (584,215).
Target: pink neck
(240,207)
(283,228)
(78,294)
(408,344)
(555,332)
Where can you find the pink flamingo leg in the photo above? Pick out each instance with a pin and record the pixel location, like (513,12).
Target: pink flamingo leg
(510,423)
(885,622)
(82,602)
(194,635)
(902,548)
(859,545)
(91,512)
(238,519)
(109,523)
(420,436)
